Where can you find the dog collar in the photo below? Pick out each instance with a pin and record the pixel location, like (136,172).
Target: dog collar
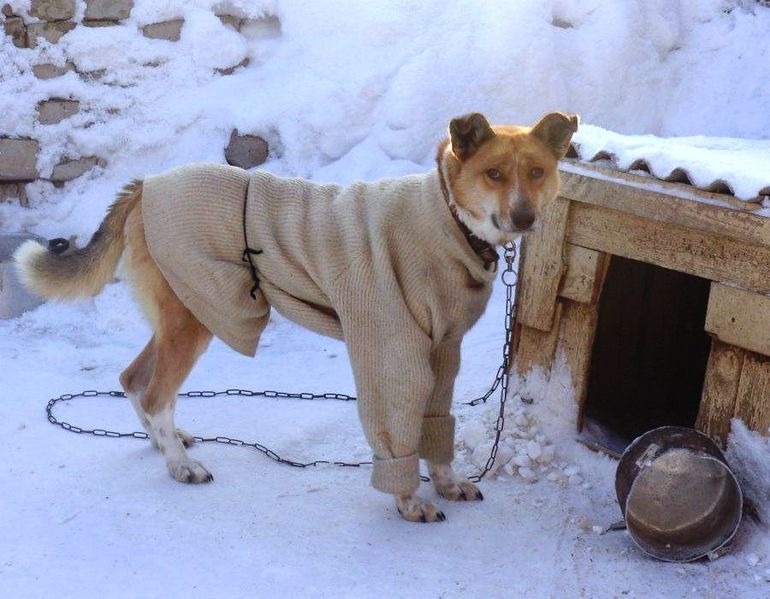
(483,249)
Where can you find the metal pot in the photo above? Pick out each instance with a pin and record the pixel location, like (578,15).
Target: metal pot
(679,498)
(14,298)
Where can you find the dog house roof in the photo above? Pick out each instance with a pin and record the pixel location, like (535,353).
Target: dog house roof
(724,165)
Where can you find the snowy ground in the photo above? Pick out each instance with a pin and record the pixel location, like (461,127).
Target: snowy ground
(88,517)
(350,90)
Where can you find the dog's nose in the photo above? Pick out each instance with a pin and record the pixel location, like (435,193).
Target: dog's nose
(523,218)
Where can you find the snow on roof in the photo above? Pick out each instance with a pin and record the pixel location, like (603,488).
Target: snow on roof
(737,167)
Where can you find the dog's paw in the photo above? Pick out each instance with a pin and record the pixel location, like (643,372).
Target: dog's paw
(190,471)
(186,438)
(461,490)
(416,509)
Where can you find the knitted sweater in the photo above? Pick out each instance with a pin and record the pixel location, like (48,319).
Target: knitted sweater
(382,265)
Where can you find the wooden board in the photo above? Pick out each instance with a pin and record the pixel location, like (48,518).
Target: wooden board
(752,404)
(585,272)
(720,390)
(666,202)
(739,317)
(670,246)
(576,339)
(536,348)
(542,265)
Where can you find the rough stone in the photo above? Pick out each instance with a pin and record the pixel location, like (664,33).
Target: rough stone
(230,70)
(55,110)
(231,20)
(245,151)
(52,10)
(49,71)
(263,28)
(93,23)
(49,31)
(165,30)
(13,192)
(18,159)
(14,26)
(111,10)
(67,170)
(93,75)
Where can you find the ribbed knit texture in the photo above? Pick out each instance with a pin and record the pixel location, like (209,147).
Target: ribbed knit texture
(382,265)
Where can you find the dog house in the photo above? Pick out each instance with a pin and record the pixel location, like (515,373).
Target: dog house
(656,294)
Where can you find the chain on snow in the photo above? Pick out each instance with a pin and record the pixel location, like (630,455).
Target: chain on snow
(508,277)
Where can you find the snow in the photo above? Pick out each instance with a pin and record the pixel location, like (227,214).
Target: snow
(347,90)
(742,164)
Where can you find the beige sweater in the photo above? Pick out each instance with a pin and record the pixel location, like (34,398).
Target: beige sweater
(382,265)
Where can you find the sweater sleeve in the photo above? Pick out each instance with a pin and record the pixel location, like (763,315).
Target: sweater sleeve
(390,356)
(438,425)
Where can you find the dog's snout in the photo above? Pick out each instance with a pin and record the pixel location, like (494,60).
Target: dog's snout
(523,218)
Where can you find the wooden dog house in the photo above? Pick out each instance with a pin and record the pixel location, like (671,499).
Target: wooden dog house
(655,294)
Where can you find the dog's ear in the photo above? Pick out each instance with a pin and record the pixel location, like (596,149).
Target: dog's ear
(468,133)
(555,130)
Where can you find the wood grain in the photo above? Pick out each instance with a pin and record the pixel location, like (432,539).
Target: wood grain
(670,246)
(739,317)
(585,272)
(659,201)
(576,340)
(752,404)
(720,390)
(542,265)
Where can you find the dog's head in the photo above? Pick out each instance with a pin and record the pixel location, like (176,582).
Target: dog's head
(501,178)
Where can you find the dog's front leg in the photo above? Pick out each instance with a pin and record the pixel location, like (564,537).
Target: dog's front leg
(438,427)
(394,380)
(451,486)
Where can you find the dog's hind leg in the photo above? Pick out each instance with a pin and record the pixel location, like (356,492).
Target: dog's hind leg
(153,379)
(179,342)
(134,381)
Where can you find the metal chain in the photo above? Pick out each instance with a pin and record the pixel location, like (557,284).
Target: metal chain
(508,278)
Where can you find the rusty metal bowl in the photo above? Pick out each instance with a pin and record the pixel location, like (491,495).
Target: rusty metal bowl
(679,498)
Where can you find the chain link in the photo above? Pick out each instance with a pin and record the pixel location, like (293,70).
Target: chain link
(509,279)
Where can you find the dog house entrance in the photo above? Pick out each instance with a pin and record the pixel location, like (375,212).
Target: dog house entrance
(650,351)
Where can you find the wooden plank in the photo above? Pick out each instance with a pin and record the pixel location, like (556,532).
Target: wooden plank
(739,317)
(752,404)
(665,202)
(536,348)
(720,390)
(541,268)
(576,340)
(585,272)
(670,246)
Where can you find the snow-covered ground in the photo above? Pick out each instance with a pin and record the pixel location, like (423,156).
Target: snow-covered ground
(341,90)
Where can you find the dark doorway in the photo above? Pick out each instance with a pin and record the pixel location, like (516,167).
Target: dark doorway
(650,352)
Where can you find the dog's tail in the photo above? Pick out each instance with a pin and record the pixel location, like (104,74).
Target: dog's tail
(59,272)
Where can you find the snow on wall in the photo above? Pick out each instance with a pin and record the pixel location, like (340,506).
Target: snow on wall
(345,90)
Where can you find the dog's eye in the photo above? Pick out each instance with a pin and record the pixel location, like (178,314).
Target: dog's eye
(536,172)
(494,174)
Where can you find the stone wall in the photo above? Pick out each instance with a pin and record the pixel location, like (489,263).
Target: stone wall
(52,19)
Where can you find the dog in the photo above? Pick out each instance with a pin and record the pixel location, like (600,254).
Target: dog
(399,269)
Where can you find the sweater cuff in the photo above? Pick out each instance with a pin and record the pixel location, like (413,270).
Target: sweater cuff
(396,475)
(437,443)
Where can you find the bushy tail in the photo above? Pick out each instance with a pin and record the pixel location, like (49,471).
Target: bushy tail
(58,272)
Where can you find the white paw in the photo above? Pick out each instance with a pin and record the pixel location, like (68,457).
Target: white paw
(190,471)
(461,490)
(416,509)
(186,438)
